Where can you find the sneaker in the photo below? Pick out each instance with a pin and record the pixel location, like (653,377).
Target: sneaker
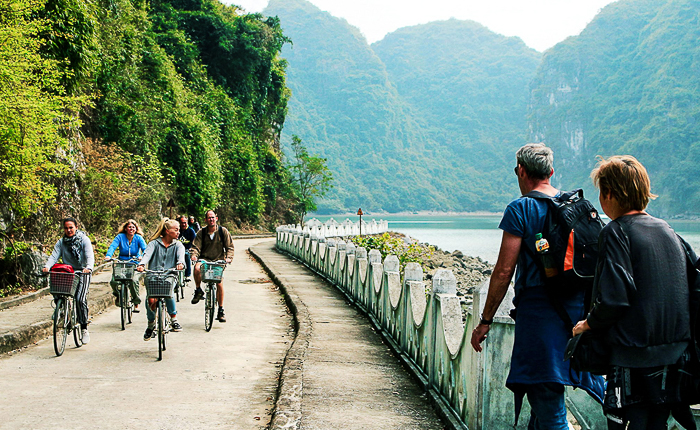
(175,326)
(86,336)
(220,316)
(198,295)
(136,309)
(149,334)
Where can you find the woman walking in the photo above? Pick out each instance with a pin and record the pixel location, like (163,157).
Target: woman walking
(640,303)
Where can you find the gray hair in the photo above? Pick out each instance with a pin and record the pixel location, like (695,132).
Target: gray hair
(536,159)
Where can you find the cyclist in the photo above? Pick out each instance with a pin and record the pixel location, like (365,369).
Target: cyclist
(164,251)
(131,244)
(194,224)
(211,243)
(75,249)
(187,235)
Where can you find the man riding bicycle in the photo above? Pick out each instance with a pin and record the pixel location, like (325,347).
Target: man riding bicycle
(187,235)
(211,243)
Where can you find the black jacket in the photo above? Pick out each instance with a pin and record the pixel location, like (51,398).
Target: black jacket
(641,292)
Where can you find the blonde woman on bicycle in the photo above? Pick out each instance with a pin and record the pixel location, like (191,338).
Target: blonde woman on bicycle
(164,251)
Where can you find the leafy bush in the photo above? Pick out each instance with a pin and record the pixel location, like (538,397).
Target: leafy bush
(387,245)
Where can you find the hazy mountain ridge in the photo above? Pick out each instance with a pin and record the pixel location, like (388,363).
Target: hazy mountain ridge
(389,152)
(628,84)
(429,117)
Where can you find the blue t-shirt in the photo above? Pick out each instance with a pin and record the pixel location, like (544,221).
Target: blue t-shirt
(524,217)
(540,334)
(127,250)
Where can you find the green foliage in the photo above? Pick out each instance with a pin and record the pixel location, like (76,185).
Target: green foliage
(426,119)
(35,115)
(311,178)
(627,85)
(387,245)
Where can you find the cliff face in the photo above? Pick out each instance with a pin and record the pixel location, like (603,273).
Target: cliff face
(426,119)
(626,85)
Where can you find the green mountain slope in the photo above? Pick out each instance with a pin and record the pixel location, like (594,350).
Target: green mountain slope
(627,85)
(469,87)
(411,141)
(345,109)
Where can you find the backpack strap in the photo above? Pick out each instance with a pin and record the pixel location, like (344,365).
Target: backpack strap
(548,287)
(221,238)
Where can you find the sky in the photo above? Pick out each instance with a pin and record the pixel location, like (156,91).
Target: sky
(541,24)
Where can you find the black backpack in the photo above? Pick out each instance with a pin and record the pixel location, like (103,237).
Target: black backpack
(572,227)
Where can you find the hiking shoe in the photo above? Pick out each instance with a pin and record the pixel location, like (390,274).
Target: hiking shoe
(220,316)
(198,295)
(175,326)
(149,334)
(86,336)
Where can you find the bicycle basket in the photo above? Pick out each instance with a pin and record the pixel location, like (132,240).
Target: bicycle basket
(63,283)
(124,271)
(213,272)
(159,285)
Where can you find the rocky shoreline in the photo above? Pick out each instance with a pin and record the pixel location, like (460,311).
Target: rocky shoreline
(469,271)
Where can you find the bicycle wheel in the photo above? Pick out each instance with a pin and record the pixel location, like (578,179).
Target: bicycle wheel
(161,328)
(209,306)
(130,308)
(60,326)
(77,328)
(124,302)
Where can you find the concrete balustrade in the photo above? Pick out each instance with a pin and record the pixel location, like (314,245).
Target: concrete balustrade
(425,326)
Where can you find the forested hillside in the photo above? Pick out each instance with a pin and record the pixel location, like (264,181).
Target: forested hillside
(423,120)
(469,89)
(628,84)
(110,108)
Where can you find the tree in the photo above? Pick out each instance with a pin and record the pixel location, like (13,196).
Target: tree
(310,176)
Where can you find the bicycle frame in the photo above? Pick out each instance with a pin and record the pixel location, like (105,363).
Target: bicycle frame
(63,287)
(210,293)
(163,320)
(127,308)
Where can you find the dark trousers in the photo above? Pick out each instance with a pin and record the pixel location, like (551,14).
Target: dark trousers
(81,300)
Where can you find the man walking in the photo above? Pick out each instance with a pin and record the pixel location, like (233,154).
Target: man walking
(211,243)
(538,369)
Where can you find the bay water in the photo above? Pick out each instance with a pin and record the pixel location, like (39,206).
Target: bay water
(477,235)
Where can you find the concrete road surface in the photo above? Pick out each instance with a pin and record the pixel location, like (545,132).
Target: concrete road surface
(222,379)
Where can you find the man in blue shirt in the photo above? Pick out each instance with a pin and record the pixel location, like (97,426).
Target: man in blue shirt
(538,369)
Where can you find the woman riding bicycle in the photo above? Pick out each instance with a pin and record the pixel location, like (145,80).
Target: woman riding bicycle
(131,244)
(164,252)
(75,249)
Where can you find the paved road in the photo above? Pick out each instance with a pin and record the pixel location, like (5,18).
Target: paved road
(348,378)
(223,379)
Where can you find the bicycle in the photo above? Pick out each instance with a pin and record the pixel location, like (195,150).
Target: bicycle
(182,282)
(63,285)
(160,285)
(124,274)
(212,273)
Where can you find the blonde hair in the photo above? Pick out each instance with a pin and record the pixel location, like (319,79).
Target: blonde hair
(626,179)
(122,229)
(164,224)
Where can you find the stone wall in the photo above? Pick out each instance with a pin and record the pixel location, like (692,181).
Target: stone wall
(427,329)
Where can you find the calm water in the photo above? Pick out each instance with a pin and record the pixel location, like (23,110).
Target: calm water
(477,235)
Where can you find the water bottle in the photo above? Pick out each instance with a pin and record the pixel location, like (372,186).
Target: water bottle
(546,257)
